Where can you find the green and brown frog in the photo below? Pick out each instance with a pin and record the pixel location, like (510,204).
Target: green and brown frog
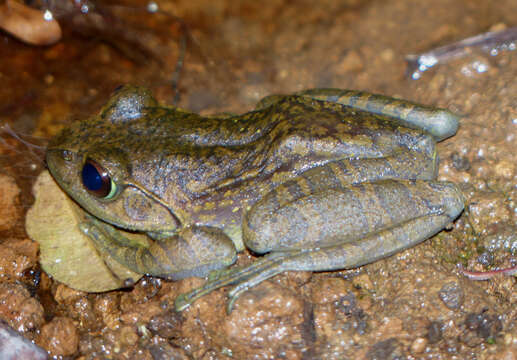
(323,179)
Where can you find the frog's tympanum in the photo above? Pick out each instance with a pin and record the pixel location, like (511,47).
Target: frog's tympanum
(323,179)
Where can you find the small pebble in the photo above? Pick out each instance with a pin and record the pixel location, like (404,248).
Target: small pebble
(452,295)
(418,346)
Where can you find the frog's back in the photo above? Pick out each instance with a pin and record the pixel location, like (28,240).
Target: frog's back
(288,137)
(320,131)
(187,158)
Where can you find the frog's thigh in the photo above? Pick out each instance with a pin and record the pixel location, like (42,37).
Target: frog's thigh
(404,165)
(397,212)
(194,251)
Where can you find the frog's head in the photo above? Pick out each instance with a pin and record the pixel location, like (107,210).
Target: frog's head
(94,161)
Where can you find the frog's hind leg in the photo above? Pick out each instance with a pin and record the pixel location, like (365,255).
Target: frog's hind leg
(348,254)
(440,123)
(376,229)
(337,229)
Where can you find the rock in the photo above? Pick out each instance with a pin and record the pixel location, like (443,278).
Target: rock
(13,346)
(59,337)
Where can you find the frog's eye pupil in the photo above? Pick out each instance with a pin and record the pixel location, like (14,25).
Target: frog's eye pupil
(96,180)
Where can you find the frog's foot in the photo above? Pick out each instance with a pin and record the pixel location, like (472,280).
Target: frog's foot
(272,269)
(338,256)
(440,123)
(252,275)
(230,272)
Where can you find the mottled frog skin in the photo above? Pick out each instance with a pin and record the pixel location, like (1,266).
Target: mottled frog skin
(323,179)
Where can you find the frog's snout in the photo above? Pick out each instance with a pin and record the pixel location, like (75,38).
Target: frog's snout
(59,162)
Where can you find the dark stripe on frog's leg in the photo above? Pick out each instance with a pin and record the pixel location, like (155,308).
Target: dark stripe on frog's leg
(397,166)
(305,184)
(287,192)
(440,123)
(396,203)
(341,173)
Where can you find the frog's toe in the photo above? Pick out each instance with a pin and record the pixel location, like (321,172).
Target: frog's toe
(232,300)
(235,293)
(452,199)
(268,272)
(182,302)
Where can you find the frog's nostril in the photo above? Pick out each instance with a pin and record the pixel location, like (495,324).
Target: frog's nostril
(67,155)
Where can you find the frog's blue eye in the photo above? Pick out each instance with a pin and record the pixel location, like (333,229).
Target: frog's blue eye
(97,181)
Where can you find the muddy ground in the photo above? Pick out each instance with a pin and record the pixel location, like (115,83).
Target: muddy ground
(414,305)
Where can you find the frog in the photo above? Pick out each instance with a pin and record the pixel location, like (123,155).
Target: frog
(319,180)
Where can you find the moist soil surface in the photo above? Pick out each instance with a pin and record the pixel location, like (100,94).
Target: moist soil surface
(414,305)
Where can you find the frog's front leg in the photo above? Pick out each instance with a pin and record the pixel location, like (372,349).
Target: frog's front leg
(337,228)
(193,251)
